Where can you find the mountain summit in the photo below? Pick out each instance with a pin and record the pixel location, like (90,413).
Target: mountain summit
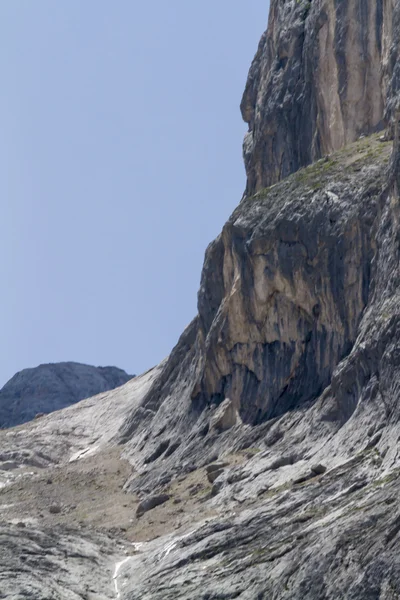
(50,387)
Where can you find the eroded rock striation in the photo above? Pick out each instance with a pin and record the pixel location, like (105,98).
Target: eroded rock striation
(50,387)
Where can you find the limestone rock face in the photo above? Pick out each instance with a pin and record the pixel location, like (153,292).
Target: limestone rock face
(324,74)
(297,332)
(50,387)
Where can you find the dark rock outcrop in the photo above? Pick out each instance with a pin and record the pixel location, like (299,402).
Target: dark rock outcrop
(150,503)
(50,387)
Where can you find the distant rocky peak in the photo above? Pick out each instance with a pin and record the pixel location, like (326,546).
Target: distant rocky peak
(50,387)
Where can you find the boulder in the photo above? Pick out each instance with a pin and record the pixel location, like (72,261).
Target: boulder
(213,475)
(150,503)
(318,469)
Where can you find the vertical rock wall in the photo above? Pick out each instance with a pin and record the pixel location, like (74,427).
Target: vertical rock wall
(319,80)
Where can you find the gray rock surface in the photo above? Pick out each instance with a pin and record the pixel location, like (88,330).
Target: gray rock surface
(332,537)
(46,388)
(41,563)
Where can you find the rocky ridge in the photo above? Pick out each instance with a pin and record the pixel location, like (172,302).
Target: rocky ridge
(260,459)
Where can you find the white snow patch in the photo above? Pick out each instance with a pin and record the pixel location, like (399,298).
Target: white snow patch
(117,569)
(169,547)
(83,453)
(26,521)
(120,564)
(137,546)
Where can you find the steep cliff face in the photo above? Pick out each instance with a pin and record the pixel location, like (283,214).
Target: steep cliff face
(50,387)
(283,297)
(293,358)
(323,75)
(296,273)
(292,290)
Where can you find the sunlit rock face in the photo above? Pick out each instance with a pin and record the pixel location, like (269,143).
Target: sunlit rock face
(323,75)
(283,293)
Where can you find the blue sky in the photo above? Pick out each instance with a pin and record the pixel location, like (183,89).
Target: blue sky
(120,160)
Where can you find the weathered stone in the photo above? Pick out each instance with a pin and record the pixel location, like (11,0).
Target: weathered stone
(150,503)
(45,562)
(216,488)
(216,466)
(318,469)
(213,475)
(324,74)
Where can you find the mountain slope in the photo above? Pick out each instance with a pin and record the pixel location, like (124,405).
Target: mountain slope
(260,459)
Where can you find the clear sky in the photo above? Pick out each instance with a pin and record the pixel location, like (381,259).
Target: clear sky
(120,160)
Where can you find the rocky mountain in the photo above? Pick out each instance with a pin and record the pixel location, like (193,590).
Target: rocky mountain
(54,386)
(260,460)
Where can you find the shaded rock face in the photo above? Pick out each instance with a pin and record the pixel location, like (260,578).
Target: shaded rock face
(324,74)
(50,387)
